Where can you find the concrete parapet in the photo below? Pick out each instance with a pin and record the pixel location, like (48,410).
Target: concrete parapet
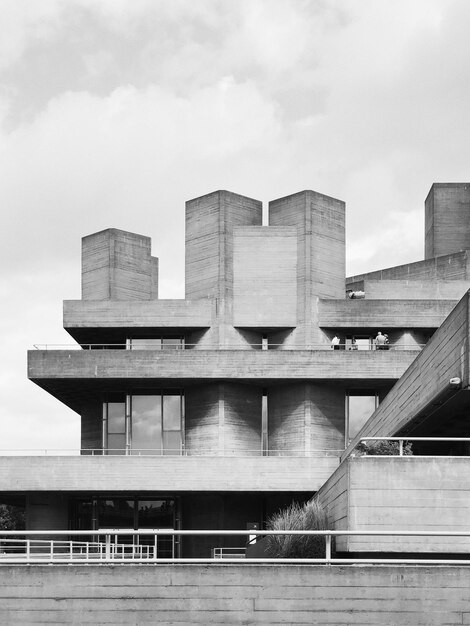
(235,594)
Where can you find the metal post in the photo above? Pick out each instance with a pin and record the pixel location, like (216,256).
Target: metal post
(401,447)
(28,549)
(70,551)
(328,549)
(108,548)
(52,550)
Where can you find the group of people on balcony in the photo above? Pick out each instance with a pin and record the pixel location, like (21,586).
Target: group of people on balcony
(381,342)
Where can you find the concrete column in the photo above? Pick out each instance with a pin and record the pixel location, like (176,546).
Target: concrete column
(305,417)
(223,418)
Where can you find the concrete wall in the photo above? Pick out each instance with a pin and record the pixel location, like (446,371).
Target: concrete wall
(95,314)
(400,493)
(164,473)
(320,223)
(305,417)
(417,290)
(235,594)
(117,265)
(447,219)
(357,314)
(444,357)
(265,276)
(444,268)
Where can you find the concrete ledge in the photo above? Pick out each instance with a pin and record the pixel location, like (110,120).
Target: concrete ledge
(234,594)
(384,313)
(82,314)
(174,365)
(172,474)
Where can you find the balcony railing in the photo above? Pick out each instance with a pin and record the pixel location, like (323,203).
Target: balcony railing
(261,347)
(109,546)
(402,440)
(200,452)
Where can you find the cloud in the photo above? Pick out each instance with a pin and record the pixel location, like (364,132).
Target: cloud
(114,112)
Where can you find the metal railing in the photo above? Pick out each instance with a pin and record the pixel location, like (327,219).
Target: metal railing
(112,552)
(342,347)
(201,452)
(402,440)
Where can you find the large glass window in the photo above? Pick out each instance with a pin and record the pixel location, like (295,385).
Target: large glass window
(359,407)
(144,424)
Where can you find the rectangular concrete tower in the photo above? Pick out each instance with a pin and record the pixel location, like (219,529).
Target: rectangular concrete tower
(117,265)
(447,219)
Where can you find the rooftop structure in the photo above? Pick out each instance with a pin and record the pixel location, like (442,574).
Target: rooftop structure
(219,409)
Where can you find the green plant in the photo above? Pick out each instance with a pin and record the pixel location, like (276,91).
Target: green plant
(309,516)
(383,448)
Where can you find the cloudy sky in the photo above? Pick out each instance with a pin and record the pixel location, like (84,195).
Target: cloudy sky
(114,112)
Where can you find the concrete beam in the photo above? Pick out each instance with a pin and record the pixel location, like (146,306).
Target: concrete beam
(383,313)
(167,473)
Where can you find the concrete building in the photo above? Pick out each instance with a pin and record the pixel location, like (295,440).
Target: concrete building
(219,409)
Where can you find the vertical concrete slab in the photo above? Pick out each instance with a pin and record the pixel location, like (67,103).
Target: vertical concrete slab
(320,223)
(210,222)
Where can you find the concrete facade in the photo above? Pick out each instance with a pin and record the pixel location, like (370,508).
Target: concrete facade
(245,401)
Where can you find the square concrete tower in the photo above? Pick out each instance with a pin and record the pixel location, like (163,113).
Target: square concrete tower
(210,221)
(447,219)
(117,265)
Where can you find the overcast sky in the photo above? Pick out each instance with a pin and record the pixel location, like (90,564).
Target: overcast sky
(114,112)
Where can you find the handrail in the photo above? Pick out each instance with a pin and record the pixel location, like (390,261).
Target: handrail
(401,441)
(341,347)
(115,552)
(174,452)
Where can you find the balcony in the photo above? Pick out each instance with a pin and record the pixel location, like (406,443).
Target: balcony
(71,374)
(94,473)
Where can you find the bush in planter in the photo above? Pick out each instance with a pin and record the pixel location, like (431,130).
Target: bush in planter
(308,516)
(383,448)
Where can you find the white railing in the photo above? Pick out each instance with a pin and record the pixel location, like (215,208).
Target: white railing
(342,347)
(28,550)
(201,452)
(402,440)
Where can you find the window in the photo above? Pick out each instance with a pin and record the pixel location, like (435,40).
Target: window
(157,343)
(144,424)
(360,404)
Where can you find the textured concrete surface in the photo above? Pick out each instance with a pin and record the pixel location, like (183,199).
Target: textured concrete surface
(235,594)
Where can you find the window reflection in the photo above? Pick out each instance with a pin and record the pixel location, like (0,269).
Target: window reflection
(154,424)
(147,424)
(359,408)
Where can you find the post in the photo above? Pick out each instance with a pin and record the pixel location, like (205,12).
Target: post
(328,549)
(52,550)
(401,447)
(28,549)
(70,551)
(108,548)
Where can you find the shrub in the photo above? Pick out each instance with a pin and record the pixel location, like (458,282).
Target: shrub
(383,448)
(309,516)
